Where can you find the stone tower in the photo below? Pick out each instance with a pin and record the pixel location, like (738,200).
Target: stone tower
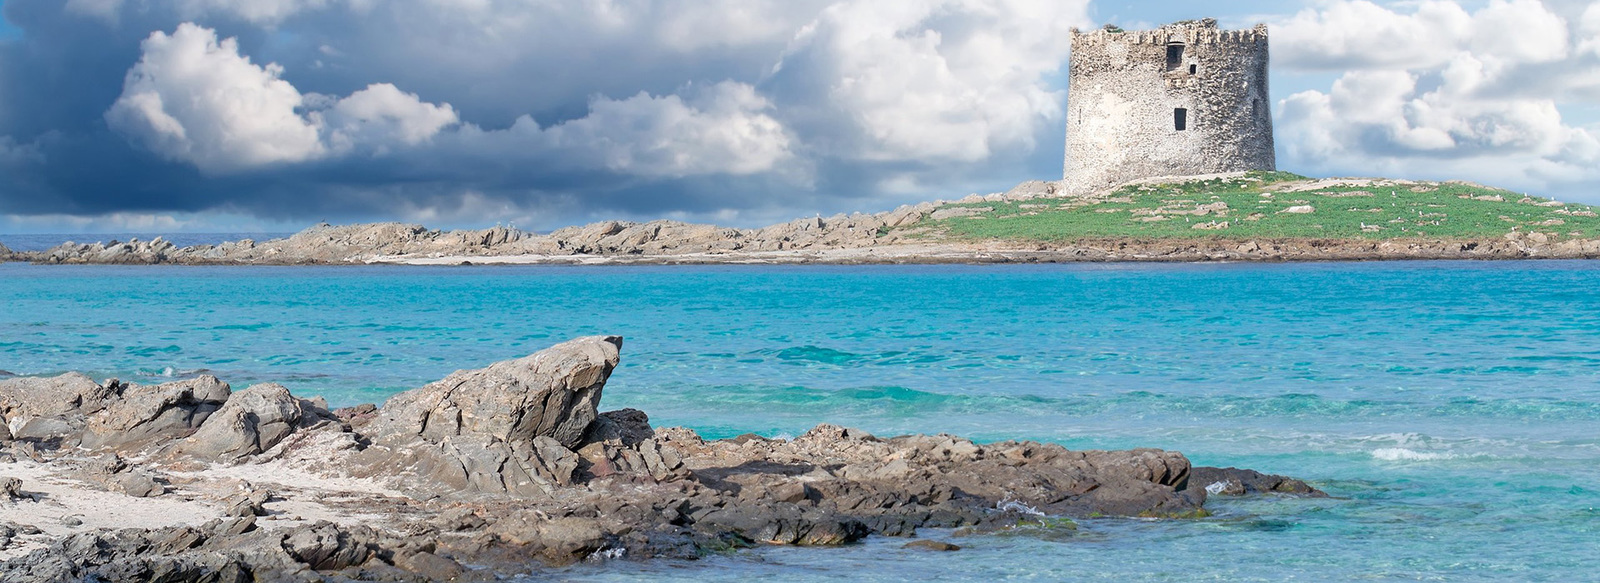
(1184,99)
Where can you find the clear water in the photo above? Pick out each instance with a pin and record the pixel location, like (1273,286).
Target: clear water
(1453,409)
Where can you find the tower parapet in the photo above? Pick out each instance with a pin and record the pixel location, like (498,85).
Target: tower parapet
(1187,98)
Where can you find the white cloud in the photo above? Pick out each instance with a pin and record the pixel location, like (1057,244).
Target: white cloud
(725,130)
(1590,28)
(937,80)
(1438,91)
(382,114)
(195,99)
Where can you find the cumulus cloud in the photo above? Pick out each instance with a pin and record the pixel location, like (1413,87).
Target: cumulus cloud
(382,114)
(726,129)
(195,99)
(1438,91)
(934,80)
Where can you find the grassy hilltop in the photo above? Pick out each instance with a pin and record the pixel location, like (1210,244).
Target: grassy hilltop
(1273,205)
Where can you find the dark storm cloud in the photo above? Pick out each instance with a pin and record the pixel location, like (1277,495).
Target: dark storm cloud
(727,110)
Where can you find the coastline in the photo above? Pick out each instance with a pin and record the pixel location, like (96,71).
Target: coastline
(1102,251)
(1495,226)
(494,472)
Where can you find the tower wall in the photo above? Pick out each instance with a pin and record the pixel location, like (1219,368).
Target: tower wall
(1124,90)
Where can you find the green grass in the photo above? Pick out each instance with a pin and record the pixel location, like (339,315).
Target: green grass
(1254,206)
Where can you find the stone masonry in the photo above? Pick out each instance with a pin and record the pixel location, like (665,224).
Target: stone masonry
(1181,100)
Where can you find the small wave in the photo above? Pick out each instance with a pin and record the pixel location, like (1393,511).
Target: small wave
(1400,454)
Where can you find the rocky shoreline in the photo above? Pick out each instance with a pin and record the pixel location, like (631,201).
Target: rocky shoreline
(902,235)
(496,472)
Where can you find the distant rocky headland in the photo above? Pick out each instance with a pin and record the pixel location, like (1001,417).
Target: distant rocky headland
(497,472)
(1255,216)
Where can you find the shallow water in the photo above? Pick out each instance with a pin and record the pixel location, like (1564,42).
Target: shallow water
(1453,408)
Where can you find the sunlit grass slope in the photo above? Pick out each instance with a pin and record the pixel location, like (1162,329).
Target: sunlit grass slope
(1272,205)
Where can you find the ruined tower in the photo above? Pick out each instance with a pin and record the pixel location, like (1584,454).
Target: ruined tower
(1184,99)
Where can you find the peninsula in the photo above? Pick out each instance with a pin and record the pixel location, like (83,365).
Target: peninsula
(1241,216)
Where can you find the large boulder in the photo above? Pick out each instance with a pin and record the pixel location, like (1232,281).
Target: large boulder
(553,393)
(146,415)
(250,422)
(52,407)
(508,428)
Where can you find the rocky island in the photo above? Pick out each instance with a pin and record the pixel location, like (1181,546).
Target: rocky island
(1245,216)
(499,471)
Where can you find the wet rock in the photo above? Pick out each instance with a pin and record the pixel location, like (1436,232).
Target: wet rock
(931,545)
(250,422)
(1238,482)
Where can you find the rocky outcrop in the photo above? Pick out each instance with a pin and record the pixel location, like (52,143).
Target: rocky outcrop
(144,415)
(53,408)
(508,428)
(248,423)
(498,466)
(1237,482)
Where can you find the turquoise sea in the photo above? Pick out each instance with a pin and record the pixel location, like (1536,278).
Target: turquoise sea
(1452,409)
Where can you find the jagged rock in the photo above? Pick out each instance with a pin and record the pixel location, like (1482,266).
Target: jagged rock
(52,407)
(626,426)
(11,488)
(552,393)
(504,428)
(146,414)
(487,475)
(324,546)
(250,422)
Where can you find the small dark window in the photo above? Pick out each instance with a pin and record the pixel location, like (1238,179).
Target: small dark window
(1174,56)
(1180,119)
(1255,107)
(1194,69)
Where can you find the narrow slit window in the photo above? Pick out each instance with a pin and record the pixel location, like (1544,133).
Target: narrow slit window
(1180,119)
(1255,107)
(1193,69)
(1174,56)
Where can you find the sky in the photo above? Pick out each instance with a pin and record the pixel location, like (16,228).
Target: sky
(270,115)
